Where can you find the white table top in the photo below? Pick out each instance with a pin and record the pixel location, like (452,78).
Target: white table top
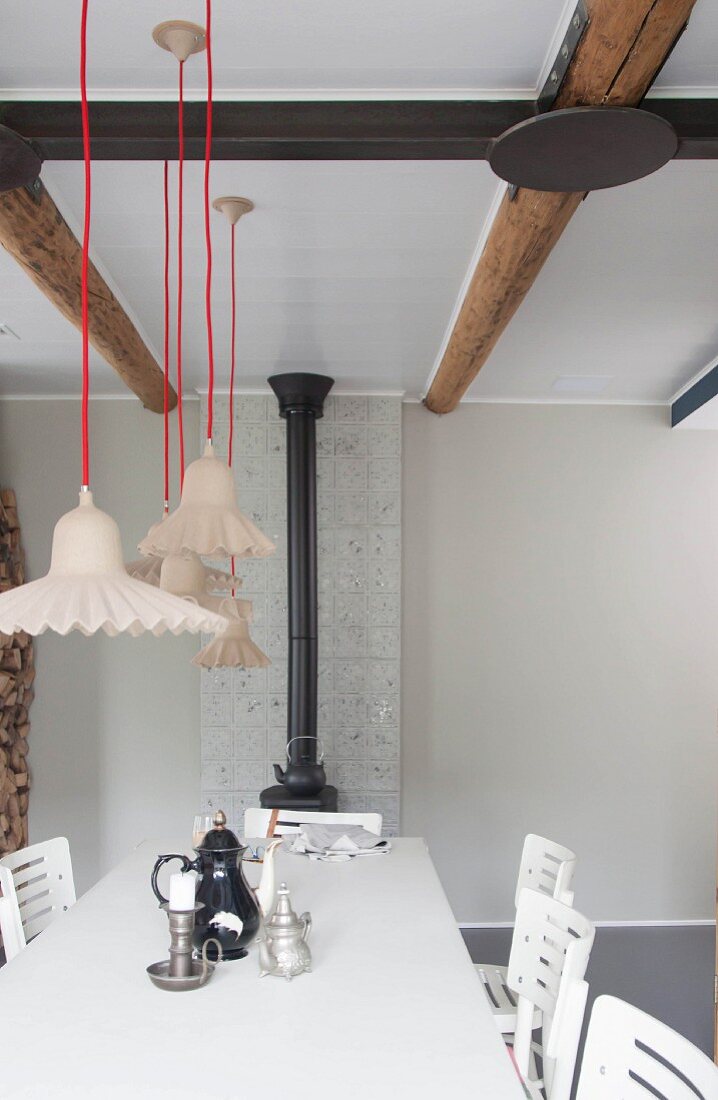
(392,1008)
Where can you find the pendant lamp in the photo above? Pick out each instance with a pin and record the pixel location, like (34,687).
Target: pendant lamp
(149,569)
(233,648)
(186,575)
(87,587)
(208,520)
(241,651)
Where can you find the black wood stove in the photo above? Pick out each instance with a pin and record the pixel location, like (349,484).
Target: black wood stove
(302,784)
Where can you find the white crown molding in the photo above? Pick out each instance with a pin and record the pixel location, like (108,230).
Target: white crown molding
(337,391)
(413,399)
(585,400)
(707,91)
(696,378)
(327,95)
(265,95)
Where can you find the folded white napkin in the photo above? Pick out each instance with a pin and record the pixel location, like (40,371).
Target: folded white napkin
(337,843)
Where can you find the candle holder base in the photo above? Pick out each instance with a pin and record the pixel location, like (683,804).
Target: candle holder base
(160,975)
(181,971)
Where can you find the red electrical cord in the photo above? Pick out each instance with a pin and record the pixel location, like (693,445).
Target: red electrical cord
(233,362)
(207,234)
(166,386)
(180,264)
(232,351)
(85,251)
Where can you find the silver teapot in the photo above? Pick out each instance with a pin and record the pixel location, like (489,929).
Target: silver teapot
(283,949)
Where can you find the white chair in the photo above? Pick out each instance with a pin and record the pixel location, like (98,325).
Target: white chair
(548,869)
(258,822)
(549,955)
(630,1055)
(13,940)
(37,882)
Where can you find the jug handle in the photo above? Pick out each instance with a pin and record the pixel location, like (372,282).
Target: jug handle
(307,918)
(187,865)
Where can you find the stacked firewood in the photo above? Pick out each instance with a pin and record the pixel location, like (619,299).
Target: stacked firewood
(16,691)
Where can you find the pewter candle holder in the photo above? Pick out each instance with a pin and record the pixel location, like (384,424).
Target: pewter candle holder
(181,971)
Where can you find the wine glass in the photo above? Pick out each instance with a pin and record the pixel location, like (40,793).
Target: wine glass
(202,825)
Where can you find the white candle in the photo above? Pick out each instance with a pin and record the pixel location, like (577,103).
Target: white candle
(181,892)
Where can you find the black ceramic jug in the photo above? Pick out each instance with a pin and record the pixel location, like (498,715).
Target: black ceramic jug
(222,891)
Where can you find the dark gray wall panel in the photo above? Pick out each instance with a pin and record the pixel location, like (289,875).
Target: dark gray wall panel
(666,971)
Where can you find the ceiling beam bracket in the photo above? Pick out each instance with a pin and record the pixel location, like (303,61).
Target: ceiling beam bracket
(564,57)
(34,188)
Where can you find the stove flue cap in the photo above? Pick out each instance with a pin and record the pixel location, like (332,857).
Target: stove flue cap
(299,392)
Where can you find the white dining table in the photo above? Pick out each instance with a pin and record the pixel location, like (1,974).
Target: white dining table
(392,1009)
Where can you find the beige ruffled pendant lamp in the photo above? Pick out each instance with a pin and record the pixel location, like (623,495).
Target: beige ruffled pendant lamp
(87,587)
(240,651)
(208,521)
(234,648)
(149,569)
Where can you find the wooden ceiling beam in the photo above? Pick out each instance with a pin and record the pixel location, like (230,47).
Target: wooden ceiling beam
(34,232)
(623,47)
(337,130)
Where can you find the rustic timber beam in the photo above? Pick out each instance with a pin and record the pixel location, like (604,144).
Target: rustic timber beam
(388,130)
(622,49)
(34,232)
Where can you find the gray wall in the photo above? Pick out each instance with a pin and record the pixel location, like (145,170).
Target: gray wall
(114,744)
(560,653)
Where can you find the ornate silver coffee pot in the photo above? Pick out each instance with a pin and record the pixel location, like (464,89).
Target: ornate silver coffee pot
(283,949)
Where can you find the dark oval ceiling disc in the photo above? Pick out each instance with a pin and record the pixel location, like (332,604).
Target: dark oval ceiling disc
(583,148)
(19,162)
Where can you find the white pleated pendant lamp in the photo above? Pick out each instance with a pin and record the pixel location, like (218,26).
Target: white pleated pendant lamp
(87,587)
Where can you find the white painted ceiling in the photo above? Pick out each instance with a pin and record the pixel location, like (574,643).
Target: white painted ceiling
(355,268)
(286,44)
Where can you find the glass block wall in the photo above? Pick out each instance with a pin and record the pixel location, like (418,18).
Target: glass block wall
(244,713)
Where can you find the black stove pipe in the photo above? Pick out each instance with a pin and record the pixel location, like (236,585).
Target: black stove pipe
(301,403)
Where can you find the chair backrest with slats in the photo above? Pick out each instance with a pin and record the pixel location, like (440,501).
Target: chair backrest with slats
(550,949)
(13,940)
(630,1055)
(258,822)
(41,876)
(546,867)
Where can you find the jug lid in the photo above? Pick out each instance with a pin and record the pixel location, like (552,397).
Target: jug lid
(220,838)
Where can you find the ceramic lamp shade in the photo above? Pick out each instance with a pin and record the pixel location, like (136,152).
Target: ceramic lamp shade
(207,521)
(87,588)
(149,569)
(238,652)
(186,575)
(146,569)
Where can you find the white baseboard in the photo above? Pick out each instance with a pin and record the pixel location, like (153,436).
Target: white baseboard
(604,924)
